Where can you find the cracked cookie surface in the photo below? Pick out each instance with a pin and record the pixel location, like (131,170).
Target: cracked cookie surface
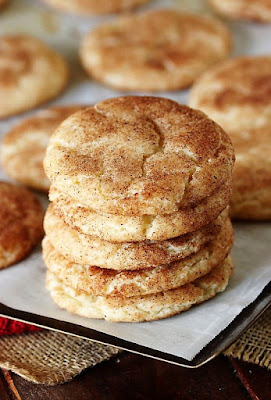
(138,156)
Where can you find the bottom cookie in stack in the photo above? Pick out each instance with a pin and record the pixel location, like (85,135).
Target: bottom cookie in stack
(140,295)
(141,308)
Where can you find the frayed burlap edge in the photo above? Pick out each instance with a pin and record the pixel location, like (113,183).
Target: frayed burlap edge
(255,344)
(50,357)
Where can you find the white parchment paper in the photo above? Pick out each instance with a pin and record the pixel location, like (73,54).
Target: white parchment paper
(22,286)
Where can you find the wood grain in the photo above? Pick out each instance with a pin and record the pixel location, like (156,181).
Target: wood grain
(255,379)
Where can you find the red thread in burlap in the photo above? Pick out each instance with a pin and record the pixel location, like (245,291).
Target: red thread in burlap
(9,327)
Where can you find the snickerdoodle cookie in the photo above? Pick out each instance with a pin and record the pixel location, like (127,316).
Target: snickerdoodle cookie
(122,228)
(30,74)
(21,217)
(255,10)
(3,3)
(236,94)
(252,174)
(86,249)
(139,156)
(23,148)
(95,7)
(141,308)
(105,282)
(160,49)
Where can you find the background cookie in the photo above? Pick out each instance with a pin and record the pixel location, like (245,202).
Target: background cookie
(236,94)
(30,74)
(3,3)
(23,148)
(133,151)
(156,50)
(89,7)
(21,218)
(256,10)
(140,308)
(252,174)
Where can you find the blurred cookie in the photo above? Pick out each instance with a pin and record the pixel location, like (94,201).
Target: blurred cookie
(3,3)
(30,74)
(161,49)
(252,174)
(95,7)
(140,308)
(23,148)
(21,218)
(236,94)
(139,156)
(85,249)
(255,10)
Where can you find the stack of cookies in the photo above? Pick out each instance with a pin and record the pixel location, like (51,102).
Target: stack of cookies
(138,227)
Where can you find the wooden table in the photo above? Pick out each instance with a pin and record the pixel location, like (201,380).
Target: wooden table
(133,377)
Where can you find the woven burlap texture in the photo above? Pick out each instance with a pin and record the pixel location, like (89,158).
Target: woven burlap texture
(255,344)
(50,357)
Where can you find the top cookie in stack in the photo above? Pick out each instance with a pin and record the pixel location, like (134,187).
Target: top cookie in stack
(138,228)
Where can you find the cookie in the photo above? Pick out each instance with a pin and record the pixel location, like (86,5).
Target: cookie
(251,197)
(30,74)
(122,228)
(3,3)
(140,308)
(94,7)
(236,94)
(23,148)
(85,249)
(21,218)
(254,10)
(139,156)
(105,282)
(161,49)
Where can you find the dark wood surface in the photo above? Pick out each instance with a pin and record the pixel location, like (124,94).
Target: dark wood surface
(134,377)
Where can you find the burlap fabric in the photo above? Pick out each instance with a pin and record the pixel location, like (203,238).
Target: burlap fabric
(52,358)
(255,344)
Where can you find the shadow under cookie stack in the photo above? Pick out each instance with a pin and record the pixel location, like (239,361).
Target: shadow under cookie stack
(138,226)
